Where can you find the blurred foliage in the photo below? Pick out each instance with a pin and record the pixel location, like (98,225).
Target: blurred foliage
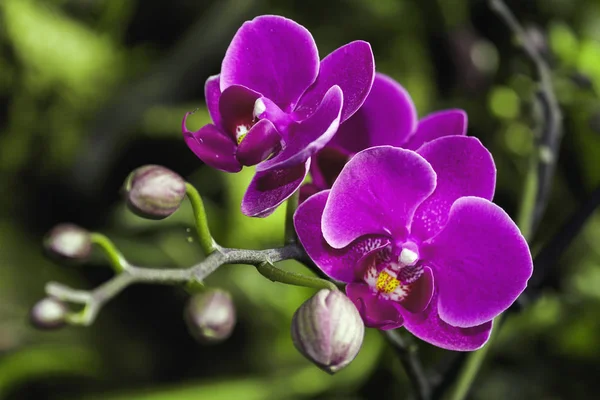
(83,100)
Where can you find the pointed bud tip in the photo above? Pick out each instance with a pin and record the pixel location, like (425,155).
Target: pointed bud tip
(154,192)
(68,242)
(211,316)
(328,330)
(48,313)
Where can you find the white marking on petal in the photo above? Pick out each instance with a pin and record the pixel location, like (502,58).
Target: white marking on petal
(371,276)
(399,293)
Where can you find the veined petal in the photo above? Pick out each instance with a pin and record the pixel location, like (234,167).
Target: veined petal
(375,311)
(352,68)
(436,125)
(376,193)
(464,168)
(212,92)
(387,117)
(309,136)
(428,327)
(481,262)
(268,189)
(338,264)
(212,146)
(274,56)
(259,143)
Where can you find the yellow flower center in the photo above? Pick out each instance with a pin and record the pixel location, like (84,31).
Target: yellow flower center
(386,283)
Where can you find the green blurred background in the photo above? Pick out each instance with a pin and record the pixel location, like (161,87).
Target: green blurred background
(90,89)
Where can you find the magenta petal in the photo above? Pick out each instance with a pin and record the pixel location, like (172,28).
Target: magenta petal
(274,56)
(212,146)
(338,264)
(429,327)
(375,311)
(307,190)
(420,293)
(236,106)
(309,136)
(327,165)
(464,168)
(376,193)
(260,142)
(481,262)
(269,189)
(387,117)
(273,113)
(352,68)
(436,125)
(212,92)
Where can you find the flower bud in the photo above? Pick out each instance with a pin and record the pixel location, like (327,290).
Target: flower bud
(48,313)
(69,242)
(210,316)
(328,330)
(154,192)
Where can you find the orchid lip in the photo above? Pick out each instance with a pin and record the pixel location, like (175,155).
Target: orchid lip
(393,279)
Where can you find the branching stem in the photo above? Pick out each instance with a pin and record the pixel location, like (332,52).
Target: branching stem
(95,299)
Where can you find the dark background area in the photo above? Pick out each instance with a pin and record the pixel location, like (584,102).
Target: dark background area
(90,89)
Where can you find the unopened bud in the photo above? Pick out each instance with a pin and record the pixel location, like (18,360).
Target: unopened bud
(211,316)
(328,330)
(48,313)
(69,242)
(154,192)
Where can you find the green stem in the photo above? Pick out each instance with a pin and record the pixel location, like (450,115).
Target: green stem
(270,271)
(94,300)
(207,243)
(534,196)
(528,201)
(115,258)
(525,223)
(290,209)
(473,365)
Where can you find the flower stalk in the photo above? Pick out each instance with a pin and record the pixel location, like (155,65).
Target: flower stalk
(407,353)
(290,209)
(207,243)
(270,271)
(92,301)
(114,256)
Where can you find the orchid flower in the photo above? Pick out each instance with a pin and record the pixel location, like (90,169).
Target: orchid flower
(418,241)
(274,105)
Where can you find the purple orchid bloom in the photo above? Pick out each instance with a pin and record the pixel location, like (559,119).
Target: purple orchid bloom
(387,117)
(274,105)
(418,241)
